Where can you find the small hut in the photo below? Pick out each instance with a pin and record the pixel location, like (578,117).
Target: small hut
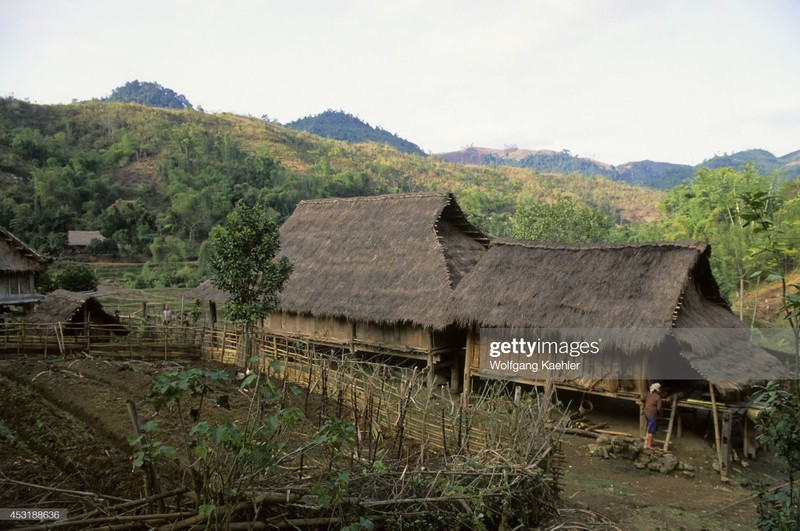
(18,264)
(78,312)
(657,305)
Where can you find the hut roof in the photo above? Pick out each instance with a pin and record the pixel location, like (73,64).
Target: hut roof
(648,287)
(206,291)
(82,238)
(61,305)
(17,256)
(555,285)
(384,259)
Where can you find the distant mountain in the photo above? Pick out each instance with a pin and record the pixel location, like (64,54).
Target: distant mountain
(658,175)
(150,94)
(763,160)
(340,125)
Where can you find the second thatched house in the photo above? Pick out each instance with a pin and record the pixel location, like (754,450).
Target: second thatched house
(646,312)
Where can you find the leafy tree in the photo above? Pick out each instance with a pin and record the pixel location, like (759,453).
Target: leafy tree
(244,263)
(72,277)
(562,221)
(709,208)
(779,424)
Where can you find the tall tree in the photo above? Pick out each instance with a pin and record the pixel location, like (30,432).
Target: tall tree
(244,263)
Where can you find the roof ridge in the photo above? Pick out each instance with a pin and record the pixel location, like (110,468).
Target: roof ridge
(557,246)
(382,197)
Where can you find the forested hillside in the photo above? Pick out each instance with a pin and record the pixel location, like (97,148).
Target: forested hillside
(148,93)
(146,176)
(340,125)
(155,181)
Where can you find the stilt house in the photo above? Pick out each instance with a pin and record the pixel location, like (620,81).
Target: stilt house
(376,274)
(657,304)
(18,264)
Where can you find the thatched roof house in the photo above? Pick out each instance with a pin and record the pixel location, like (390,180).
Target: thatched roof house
(82,238)
(651,292)
(18,264)
(74,310)
(386,259)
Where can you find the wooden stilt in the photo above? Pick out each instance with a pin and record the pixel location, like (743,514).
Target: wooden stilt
(671,422)
(716,426)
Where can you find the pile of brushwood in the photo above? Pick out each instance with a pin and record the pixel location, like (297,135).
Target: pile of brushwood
(281,467)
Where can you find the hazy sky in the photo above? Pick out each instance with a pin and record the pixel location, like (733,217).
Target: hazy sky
(616,80)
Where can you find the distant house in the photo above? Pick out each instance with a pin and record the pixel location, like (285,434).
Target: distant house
(76,311)
(18,264)
(78,240)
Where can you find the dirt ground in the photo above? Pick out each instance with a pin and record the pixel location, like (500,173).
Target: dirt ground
(64,426)
(645,499)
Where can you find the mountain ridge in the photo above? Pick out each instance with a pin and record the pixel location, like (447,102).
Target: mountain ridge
(649,173)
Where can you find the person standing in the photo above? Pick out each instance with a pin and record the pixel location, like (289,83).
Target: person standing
(166,315)
(652,410)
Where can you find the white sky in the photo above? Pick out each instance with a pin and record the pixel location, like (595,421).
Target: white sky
(616,80)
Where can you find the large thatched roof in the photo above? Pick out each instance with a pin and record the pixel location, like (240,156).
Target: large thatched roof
(17,256)
(384,259)
(553,285)
(648,289)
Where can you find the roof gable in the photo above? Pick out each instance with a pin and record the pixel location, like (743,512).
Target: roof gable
(15,255)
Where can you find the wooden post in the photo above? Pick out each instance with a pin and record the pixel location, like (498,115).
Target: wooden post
(671,422)
(716,426)
(725,439)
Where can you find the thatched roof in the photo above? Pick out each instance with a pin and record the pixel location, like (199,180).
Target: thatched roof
(207,292)
(82,238)
(647,288)
(62,305)
(384,259)
(553,285)
(17,256)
